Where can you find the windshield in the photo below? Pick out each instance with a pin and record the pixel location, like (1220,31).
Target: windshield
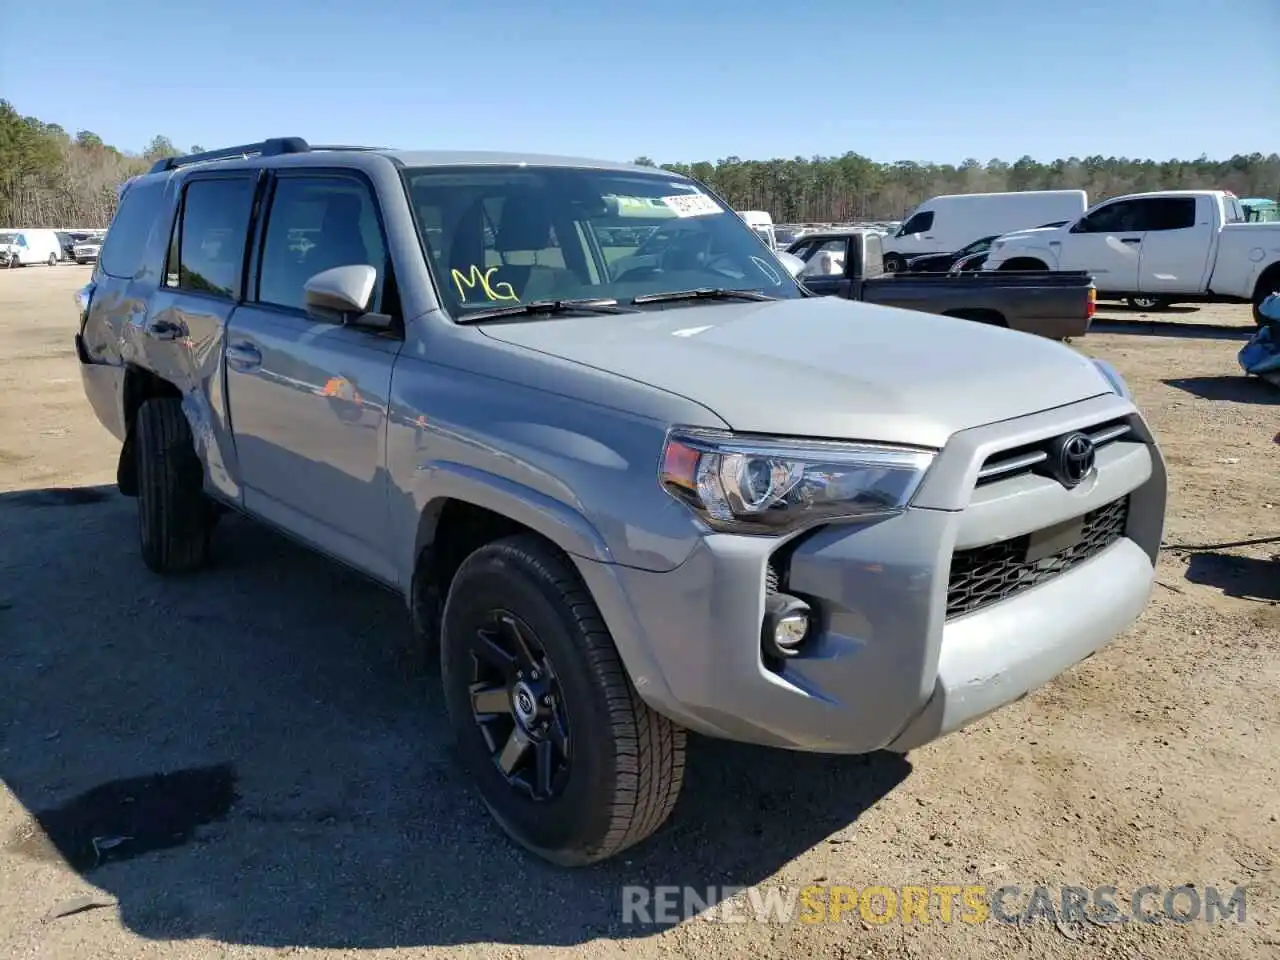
(506,236)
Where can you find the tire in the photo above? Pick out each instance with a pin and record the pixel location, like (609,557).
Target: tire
(1260,293)
(173,512)
(625,763)
(53,260)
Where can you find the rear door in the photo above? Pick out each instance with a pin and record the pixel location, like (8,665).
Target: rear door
(1108,244)
(308,397)
(1177,244)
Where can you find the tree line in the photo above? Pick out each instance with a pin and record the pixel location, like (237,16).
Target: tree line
(52,178)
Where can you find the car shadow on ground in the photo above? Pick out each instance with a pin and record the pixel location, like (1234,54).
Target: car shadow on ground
(1245,577)
(1241,389)
(1170,328)
(242,754)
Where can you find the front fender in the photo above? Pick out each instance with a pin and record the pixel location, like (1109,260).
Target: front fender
(553,519)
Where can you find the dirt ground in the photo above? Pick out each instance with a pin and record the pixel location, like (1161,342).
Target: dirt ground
(349,833)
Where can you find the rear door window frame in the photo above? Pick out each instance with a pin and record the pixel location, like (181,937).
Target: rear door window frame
(255,178)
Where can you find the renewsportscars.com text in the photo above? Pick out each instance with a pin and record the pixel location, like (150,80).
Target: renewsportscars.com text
(938,903)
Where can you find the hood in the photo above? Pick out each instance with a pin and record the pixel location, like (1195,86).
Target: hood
(825,367)
(1034,235)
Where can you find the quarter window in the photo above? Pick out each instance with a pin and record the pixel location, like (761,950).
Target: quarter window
(206,254)
(126,241)
(316,224)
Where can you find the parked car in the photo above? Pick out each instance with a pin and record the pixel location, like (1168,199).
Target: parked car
(23,247)
(620,505)
(953,221)
(1156,249)
(942,262)
(86,251)
(849,264)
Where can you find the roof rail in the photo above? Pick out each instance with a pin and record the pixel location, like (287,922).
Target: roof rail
(267,148)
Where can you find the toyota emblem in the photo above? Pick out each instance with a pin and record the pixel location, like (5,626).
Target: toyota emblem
(1075,459)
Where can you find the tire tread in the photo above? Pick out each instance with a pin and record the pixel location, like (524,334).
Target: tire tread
(171,502)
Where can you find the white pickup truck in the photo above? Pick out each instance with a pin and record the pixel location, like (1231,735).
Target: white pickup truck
(1154,249)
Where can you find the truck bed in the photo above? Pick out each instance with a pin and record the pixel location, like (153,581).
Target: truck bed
(1057,304)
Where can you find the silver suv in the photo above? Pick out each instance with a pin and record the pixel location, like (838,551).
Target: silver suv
(623,495)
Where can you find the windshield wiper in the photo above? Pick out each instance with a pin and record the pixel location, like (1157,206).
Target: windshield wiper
(703,293)
(544,308)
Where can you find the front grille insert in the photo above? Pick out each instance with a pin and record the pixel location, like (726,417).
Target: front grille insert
(985,575)
(1026,459)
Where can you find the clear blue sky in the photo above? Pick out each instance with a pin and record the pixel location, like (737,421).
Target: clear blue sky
(921,80)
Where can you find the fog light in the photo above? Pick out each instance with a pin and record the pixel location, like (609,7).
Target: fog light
(786,626)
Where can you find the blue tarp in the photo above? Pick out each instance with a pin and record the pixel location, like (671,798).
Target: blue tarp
(1261,355)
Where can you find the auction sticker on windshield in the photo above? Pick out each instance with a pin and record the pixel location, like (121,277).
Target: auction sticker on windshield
(692,205)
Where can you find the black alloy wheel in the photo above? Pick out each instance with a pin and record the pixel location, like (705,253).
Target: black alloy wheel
(517,703)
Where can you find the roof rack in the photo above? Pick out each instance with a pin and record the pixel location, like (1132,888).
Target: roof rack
(274,147)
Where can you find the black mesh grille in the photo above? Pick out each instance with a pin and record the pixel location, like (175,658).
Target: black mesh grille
(986,575)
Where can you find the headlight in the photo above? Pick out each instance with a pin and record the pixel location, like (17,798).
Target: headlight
(1113,377)
(765,485)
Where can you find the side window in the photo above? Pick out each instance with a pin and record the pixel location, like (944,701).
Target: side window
(1168,213)
(315,224)
(206,253)
(920,223)
(1119,217)
(828,259)
(122,251)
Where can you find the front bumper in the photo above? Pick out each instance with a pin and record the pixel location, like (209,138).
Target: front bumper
(887,667)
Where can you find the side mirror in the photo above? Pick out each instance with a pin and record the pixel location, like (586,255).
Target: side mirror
(795,266)
(342,295)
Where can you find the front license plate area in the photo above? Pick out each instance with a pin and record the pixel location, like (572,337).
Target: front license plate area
(1055,539)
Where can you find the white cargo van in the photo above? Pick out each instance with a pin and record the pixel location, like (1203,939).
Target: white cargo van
(762,224)
(946,224)
(19,248)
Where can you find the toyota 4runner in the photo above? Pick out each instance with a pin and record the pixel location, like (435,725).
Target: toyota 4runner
(623,496)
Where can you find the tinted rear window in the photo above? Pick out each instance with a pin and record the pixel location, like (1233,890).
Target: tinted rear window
(126,241)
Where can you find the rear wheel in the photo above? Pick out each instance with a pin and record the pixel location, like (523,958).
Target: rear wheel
(572,764)
(173,513)
(53,260)
(1023,263)
(1268,284)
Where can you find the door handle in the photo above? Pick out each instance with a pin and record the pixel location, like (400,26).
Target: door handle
(166,330)
(1130,239)
(244,356)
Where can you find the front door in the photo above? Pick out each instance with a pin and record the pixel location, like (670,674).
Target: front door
(1108,244)
(826,267)
(308,398)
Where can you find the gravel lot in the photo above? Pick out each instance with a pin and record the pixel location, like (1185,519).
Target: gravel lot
(349,833)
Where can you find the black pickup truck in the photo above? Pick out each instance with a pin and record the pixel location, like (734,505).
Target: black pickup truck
(1058,304)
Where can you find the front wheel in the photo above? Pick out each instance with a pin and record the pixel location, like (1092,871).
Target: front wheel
(53,260)
(572,764)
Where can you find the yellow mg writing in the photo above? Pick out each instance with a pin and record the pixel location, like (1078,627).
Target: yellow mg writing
(492,291)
